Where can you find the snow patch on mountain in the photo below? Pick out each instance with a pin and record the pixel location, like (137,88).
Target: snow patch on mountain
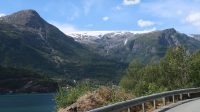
(99,34)
(125,41)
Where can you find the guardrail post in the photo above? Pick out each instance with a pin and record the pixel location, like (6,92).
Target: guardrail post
(181,97)
(173,98)
(154,104)
(164,101)
(189,95)
(129,109)
(143,107)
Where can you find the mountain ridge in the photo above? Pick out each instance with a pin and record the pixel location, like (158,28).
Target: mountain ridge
(28,18)
(44,48)
(132,44)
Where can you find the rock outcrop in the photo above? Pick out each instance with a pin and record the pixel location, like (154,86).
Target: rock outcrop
(90,100)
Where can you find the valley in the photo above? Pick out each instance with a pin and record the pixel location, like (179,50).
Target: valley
(29,42)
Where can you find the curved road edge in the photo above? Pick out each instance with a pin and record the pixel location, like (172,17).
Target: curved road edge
(190,105)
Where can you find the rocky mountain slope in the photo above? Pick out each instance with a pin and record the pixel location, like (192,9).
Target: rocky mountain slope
(28,41)
(126,46)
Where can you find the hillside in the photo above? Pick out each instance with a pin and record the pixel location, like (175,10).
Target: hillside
(196,36)
(14,80)
(144,46)
(28,41)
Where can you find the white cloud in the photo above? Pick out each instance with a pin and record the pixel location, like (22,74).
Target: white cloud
(105,18)
(194,19)
(131,2)
(167,9)
(145,23)
(65,28)
(2,14)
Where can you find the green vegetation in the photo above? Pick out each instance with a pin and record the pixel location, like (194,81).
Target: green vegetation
(67,97)
(57,56)
(178,69)
(32,43)
(99,95)
(15,80)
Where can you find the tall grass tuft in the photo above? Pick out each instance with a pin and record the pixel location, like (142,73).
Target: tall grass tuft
(66,97)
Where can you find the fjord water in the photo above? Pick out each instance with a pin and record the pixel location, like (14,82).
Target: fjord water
(27,103)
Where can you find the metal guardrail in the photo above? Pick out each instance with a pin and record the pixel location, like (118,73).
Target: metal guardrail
(141,100)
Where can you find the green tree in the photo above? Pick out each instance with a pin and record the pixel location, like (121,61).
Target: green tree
(132,75)
(195,69)
(175,68)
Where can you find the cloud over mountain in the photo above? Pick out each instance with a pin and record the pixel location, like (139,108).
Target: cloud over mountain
(131,2)
(194,19)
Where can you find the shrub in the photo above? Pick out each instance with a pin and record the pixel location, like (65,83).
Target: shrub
(176,70)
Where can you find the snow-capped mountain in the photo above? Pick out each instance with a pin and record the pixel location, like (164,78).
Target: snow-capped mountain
(100,34)
(127,45)
(107,39)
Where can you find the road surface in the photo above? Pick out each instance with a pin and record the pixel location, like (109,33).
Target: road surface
(192,105)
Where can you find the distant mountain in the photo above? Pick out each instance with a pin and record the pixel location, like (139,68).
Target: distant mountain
(27,18)
(126,46)
(196,36)
(28,41)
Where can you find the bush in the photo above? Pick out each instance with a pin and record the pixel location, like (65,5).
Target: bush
(176,70)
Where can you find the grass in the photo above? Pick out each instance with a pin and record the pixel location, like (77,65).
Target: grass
(109,95)
(66,97)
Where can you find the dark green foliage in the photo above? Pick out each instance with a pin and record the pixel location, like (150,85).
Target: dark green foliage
(30,42)
(133,71)
(176,70)
(56,55)
(195,68)
(61,98)
(24,81)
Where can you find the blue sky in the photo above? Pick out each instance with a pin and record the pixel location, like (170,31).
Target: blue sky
(97,15)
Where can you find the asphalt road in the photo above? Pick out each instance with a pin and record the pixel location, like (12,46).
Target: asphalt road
(192,105)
